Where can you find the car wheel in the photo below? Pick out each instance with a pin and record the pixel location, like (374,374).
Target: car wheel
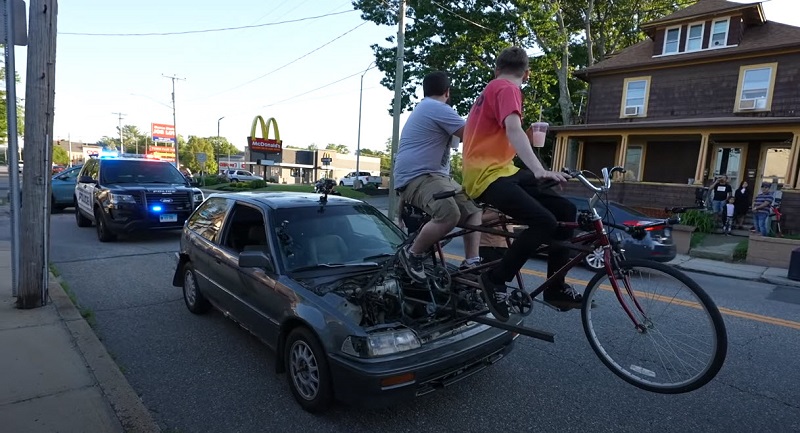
(595,260)
(307,371)
(104,234)
(234,180)
(81,220)
(195,301)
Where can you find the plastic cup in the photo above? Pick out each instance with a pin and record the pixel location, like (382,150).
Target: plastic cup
(538,133)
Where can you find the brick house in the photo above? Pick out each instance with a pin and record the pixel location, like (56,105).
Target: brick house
(714,89)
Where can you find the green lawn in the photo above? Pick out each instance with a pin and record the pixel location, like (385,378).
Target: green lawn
(275,187)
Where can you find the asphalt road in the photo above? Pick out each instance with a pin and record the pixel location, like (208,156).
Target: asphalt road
(205,374)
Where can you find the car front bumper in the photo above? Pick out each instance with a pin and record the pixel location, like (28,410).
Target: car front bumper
(360,381)
(128,219)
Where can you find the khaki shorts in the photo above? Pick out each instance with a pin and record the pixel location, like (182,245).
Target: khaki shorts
(419,192)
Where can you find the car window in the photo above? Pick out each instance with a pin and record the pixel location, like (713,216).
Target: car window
(335,234)
(206,221)
(245,229)
(131,171)
(70,174)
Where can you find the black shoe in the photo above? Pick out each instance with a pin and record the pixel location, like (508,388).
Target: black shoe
(495,297)
(413,264)
(565,298)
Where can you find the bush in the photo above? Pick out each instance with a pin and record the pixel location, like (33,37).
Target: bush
(255,184)
(212,180)
(272,180)
(703,221)
(370,186)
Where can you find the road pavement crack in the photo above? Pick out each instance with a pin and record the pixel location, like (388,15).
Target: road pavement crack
(758,394)
(168,301)
(121,256)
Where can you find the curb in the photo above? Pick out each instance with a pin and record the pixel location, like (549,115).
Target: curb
(763,278)
(128,407)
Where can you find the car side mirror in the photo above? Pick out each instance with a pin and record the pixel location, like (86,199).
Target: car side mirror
(256,259)
(86,179)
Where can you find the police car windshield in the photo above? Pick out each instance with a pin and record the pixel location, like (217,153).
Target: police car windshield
(127,171)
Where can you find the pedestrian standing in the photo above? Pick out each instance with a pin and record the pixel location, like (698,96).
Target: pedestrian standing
(720,192)
(729,216)
(761,207)
(743,197)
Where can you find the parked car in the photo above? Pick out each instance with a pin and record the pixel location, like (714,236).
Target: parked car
(242,176)
(657,244)
(306,276)
(63,188)
(365,177)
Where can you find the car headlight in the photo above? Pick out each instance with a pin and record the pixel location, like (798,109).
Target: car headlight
(379,344)
(197,197)
(120,198)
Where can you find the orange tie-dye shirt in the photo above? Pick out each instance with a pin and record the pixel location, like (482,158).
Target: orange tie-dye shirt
(488,155)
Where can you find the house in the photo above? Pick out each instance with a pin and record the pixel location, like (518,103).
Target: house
(713,90)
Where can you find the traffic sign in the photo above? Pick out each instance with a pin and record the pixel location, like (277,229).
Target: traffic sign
(201,157)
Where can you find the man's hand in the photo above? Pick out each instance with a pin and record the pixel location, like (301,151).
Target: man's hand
(554,175)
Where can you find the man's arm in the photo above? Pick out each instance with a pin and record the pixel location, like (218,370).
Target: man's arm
(520,142)
(459,133)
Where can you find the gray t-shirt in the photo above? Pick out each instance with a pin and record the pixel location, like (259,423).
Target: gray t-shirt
(425,141)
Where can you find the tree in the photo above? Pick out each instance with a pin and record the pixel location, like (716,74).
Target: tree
(340,148)
(60,156)
(312,146)
(4,111)
(188,154)
(385,162)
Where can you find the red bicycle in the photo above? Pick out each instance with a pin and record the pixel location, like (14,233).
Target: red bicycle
(648,322)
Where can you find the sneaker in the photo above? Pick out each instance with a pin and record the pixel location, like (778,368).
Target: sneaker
(564,299)
(466,266)
(495,297)
(413,264)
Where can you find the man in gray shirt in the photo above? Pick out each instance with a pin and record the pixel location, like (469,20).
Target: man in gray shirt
(422,169)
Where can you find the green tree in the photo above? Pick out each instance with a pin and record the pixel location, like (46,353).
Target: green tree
(456,166)
(340,148)
(4,112)
(188,154)
(60,156)
(385,161)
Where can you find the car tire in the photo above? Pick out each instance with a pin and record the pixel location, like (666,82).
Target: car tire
(104,233)
(192,297)
(81,220)
(307,371)
(595,260)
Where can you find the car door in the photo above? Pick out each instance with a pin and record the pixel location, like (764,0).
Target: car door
(202,236)
(84,191)
(253,288)
(63,186)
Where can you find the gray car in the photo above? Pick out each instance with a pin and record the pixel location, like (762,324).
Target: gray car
(315,279)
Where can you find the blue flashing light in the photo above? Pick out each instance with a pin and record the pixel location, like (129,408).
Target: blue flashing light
(156,208)
(108,154)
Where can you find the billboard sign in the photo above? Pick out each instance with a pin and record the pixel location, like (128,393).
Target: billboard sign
(163,146)
(264,144)
(160,131)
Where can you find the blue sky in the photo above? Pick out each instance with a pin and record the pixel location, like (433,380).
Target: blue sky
(97,76)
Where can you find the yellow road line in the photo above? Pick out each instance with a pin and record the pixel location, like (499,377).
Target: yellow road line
(726,311)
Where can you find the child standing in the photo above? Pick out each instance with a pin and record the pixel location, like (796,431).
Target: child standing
(729,215)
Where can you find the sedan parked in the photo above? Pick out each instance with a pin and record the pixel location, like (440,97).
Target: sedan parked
(309,277)
(63,188)
(657,244)
(242,176)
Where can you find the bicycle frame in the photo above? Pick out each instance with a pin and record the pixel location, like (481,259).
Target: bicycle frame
(584,244)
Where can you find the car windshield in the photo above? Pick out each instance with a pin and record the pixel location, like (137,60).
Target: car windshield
(312,237)
(144,171)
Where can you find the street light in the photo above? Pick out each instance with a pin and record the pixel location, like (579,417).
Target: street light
(358,144)
(229,149)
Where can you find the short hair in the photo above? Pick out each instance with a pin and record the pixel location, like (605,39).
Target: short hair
(512,60)
(435,84)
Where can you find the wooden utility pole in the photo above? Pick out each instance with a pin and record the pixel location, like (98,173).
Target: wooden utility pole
(39,107)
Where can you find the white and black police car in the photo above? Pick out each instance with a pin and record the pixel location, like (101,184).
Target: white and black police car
(132,193)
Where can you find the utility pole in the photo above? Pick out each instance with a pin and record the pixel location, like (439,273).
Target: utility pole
(69,140)
(174,122)
(358,145)
(398,97)
(40,98)
(121,140)
(229,150)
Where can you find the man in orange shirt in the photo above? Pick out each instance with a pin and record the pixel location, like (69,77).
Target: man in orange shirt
(492,136)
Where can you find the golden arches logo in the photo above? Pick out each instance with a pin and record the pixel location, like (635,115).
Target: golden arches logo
(263,143)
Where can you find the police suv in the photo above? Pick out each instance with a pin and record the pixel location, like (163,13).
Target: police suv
(129,193)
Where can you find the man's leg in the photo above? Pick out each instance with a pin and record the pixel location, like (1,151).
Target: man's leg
(470,214)
(444,215)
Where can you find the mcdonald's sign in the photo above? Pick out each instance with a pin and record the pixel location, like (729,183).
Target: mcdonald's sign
(263,143)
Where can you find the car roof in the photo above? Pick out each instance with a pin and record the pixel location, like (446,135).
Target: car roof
(287,199)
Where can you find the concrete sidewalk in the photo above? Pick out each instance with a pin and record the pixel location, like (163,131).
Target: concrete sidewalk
(56,375)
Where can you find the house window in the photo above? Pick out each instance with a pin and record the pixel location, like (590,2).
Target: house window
(694,40)
(634,99)
(756,83)
(633,162)
(719,33)
(672,40)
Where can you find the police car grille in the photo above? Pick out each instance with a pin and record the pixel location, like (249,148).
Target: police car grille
(174,201)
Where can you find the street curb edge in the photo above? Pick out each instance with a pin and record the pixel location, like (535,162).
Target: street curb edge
(127,406)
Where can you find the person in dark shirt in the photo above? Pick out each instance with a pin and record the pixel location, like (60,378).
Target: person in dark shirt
(743,197)
(720,193)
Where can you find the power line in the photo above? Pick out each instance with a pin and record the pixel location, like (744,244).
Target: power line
(287,64)
(457,15)
(318,88)
(209,30)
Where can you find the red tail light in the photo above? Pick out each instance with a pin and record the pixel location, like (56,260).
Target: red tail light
(641,223)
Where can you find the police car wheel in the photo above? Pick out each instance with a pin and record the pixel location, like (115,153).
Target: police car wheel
(104,234)
(81,220)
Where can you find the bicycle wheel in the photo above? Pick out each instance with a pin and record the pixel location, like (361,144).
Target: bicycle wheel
(682,343)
